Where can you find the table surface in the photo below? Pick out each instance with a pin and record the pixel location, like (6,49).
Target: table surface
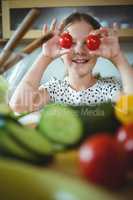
(67,163)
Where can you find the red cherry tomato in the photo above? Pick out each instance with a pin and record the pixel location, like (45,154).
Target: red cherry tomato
(125,136)
(65,40)
(93,42)
(102,161)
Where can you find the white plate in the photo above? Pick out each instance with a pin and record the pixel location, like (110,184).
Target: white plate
(32,118)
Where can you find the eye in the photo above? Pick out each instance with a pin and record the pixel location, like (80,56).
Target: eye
(73,43)
(84,43)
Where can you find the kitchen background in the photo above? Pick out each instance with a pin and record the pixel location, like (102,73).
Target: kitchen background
(106,14)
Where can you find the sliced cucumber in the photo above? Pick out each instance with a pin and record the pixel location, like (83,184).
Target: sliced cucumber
(30,139)
(69,125)
(9,146)
(61,124)
(12,150)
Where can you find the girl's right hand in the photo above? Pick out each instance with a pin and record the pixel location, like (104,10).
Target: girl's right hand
(52,48)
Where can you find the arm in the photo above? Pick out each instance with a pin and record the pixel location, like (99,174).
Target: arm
(126,72)
(28,97)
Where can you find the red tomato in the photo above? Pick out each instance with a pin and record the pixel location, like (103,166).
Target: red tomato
(102,161)
(65,40)
(93,42)
(125,136)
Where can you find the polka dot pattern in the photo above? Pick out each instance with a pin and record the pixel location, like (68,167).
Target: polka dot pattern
(105,89)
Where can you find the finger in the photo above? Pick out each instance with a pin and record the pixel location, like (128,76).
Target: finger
(53,25)
(60,28)
(45,29)
(95,53)
(64,51)
(115,28)
(103,31)
(108,32)
(95,32)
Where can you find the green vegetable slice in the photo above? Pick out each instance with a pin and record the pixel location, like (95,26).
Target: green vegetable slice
(61,124)
(10,146)
(30,139)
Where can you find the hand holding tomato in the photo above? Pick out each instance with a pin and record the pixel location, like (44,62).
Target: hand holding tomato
(102,161)
(52,48)
(109,47)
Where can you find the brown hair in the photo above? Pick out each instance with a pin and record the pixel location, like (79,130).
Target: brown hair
(79,17)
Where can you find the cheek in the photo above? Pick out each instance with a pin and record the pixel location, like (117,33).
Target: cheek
(67,59)
(93,60)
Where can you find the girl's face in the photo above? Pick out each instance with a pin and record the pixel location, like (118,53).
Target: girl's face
(78,60)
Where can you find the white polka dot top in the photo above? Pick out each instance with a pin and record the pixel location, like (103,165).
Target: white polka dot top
(105,89)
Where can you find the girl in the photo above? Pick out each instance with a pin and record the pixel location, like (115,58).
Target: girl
(80,86)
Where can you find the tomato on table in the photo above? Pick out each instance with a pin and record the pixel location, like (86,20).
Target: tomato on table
(102,161)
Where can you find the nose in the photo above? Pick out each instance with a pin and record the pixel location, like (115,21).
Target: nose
(79,47)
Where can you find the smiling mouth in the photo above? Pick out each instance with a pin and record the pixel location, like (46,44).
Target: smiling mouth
(80,61)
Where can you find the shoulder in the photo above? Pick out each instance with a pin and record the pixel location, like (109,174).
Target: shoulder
(54,87)
(110,82)
(54,83)
(51,81)
(111,87)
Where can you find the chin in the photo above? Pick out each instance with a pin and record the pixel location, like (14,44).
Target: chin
(82,69)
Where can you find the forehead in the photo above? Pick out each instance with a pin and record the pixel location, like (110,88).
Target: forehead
(79,29)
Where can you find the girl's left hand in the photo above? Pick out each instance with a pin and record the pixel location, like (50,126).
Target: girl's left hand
(109,47)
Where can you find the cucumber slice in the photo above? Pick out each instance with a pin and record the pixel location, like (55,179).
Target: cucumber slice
(30,139)
(12,150)
(11,147)
(69,125)
(61,124)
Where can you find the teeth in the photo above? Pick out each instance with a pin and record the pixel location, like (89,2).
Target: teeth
(80,61)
